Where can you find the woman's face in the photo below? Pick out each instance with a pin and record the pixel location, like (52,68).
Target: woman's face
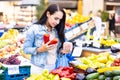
(54,19)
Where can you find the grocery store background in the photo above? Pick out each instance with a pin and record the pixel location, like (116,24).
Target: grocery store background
(99,48)
(20,13)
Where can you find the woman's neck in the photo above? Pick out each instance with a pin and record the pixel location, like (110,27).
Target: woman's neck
(49,28)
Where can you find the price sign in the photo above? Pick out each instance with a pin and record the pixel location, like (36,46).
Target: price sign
(69,34)
(96,44)
(84,26)
(76,30)
(13,70)
(77,51)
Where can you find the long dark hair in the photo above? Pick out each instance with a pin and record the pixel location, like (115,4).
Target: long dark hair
(61,26)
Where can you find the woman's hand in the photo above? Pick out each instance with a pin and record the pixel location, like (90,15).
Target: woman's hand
(67,47)
(46,47)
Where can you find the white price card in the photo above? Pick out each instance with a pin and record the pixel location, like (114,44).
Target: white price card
(68,34)
(13,70)
(76,30)
(77,51)
(84,26)
(96,44)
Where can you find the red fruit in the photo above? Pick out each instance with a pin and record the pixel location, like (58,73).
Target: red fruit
(117,61)
(46,38)
(113,64)
(116,64)
(54,41)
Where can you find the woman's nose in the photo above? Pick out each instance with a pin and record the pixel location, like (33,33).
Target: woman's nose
(57,21)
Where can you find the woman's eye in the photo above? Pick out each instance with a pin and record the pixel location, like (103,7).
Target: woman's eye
(56,18)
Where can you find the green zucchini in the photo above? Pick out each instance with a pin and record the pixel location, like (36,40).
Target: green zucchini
(116,72)
(92,76)
(116,77)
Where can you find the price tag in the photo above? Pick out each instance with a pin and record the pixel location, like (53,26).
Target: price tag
(13,70)
(68,34)
(76,30)
(84,26)
(77,51)
(96,44)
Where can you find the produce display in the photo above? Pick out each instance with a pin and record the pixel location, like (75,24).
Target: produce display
(73,18)
(116,62)
(102,43)
(103,66)
(12,60)
(100,60)
(66,72)
(45,75)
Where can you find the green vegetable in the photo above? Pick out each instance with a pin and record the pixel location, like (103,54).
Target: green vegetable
(108,78)
(108,73)
(92,76)
(116,77)
(116,72)
(101,77)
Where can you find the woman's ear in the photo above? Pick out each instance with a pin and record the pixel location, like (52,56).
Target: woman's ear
(48,13)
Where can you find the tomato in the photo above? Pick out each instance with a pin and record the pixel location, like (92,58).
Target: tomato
(117,61)
(116,64)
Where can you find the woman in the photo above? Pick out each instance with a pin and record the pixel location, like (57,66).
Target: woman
(112,24)
(44,56)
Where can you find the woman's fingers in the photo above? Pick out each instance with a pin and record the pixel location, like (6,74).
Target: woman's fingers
(49,47)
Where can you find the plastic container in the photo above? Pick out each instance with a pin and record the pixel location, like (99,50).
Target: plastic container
(2,76)
(24,72)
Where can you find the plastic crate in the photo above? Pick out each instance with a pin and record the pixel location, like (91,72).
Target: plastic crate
(24,72)
(2,76)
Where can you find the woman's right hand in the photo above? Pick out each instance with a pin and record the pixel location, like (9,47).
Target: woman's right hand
(46,47)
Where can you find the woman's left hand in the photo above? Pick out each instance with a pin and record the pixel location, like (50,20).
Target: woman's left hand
(67,47)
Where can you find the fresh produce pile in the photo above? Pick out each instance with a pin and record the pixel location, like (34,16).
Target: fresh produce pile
(12,60)
(95,61)
(65,72)
(103,42)
(107,75)
(116,62)
(46,75)
(11,43)
(73,18)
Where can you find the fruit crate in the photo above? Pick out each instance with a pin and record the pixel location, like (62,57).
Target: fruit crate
(2,76)
(23,72)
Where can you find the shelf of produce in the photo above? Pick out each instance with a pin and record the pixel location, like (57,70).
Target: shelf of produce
(79,30)
(87,51)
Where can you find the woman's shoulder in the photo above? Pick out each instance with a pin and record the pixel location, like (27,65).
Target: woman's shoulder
(37,27)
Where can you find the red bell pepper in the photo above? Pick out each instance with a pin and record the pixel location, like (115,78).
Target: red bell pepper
(46,38)
(53,41)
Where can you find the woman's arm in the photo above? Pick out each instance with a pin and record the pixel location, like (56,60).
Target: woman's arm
(28,47)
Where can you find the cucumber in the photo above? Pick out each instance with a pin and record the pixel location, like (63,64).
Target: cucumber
(92,76)
(108,78)
(116,77)
(108,73)
(116,72)
(101,77)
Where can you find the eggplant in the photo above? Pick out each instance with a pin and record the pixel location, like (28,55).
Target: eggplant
(90,70)
(80,76)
